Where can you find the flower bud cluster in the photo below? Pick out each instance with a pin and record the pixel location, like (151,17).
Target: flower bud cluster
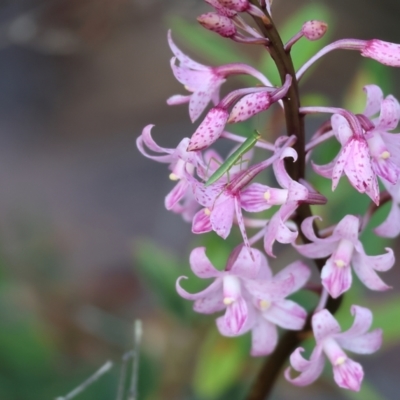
(212,194)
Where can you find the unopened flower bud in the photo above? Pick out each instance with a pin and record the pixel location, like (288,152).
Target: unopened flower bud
(250,105)
(384,52)
(314,30)
(218,23)
(237,5)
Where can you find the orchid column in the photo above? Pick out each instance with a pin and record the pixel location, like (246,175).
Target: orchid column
(211,193)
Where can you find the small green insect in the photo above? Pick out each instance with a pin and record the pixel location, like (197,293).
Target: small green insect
(248,144)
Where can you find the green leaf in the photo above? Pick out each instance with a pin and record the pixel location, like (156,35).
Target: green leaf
(219,364)
(160,269)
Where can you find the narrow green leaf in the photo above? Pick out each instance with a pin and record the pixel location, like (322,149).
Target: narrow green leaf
(219,364)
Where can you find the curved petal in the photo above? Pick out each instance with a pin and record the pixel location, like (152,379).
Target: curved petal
(341,129)
(310,370)
(215,286)
(320,249)
(240,222)
(146,139)
(348,375)
(367,275)
(287,314)
(264,338)
(325,170)
(281,175)
(364,344)
(183,58)
(211,303)
(374,100)
(201,265)
(362,322)
(192,80)
(324,325)
(201,222)
(277,229)
(244,266)
(382,262)
(390,113)
(176,194)
(336,279)
(178,99)
(390,227)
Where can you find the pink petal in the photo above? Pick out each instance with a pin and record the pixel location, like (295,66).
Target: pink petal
(183,58)
(297,192)
(225,329)
(384,52)
(236,315)
(271,290)
(176,194)
(324,325)
(209,130)
(320,249)
(277,229)
(348,375)
(390,113)
(297,270)
(178,99)
(249,105)
(325,170)
(287,314)
(146,139)
(264,337)
(215,286)
(365,344)
(246,267)
(390,228)
(336,279)
(252,198)
(211,303)
(201,265)
(201,222)
(199,101)
(192,80)
(280,172)
(242,227)
(367,275)
(348,228)
(382,262)
(310,370)
(341,128)
(222,216)
(374,100)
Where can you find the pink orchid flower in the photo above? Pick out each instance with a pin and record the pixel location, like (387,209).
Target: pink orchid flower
(180,162)
(270,308)
(345,250)
(204,82)
(353,159)
(384,146)
(390,227)
(252,298)
(330,341)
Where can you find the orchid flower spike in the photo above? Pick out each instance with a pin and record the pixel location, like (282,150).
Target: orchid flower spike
(345,250)
(330,341)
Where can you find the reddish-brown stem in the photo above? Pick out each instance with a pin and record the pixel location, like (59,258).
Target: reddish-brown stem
(265,380)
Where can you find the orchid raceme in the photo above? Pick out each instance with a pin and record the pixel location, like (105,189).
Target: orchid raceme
(330,342)
(214,194)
